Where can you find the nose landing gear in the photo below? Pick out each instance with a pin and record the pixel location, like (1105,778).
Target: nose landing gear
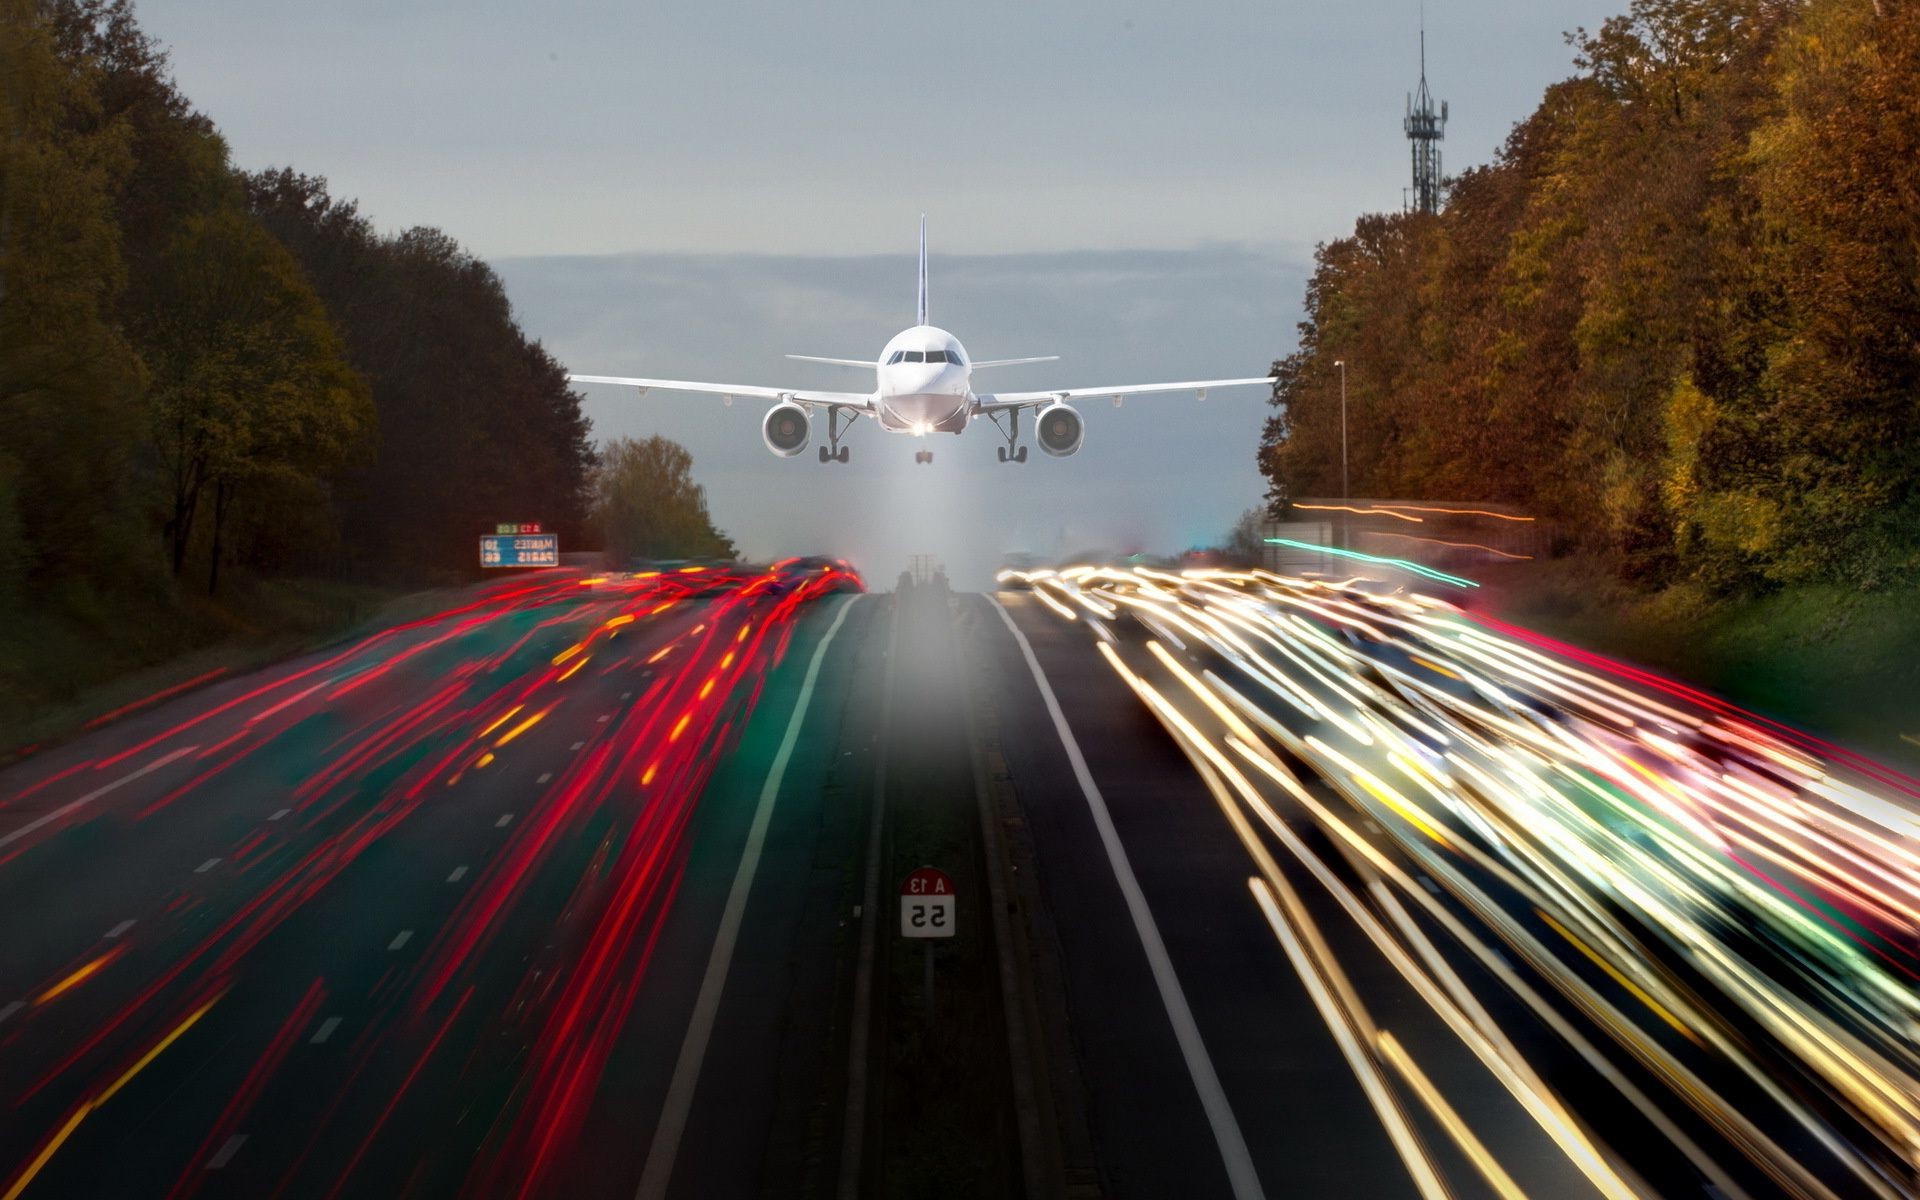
(923,456)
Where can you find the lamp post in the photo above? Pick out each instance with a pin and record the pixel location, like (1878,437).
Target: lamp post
(1342,364)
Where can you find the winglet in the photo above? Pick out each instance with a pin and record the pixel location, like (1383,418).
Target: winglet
(923,269)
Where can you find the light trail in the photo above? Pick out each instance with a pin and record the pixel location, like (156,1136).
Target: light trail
(1721,900)
(375,741)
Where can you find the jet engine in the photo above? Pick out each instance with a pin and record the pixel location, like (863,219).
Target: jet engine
(1059,430)
(786,429)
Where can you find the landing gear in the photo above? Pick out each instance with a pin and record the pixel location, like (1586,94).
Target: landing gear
(923,456)
(833,451)
(1010,429)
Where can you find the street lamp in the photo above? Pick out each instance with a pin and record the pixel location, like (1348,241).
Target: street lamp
(1342,364)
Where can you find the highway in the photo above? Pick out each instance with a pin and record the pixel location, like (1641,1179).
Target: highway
(1267,886)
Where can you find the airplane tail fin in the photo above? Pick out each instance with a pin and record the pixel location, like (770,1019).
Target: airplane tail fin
(923,270)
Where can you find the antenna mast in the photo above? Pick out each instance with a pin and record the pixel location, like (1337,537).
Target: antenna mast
(1425,130)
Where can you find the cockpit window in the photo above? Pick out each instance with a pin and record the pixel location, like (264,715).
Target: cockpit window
(914,356)
(936,356)
(897,356)
(953,356)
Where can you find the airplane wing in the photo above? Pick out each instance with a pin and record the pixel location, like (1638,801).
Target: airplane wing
(855,400)
(1002,401)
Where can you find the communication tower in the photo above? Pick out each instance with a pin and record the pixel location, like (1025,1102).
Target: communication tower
(1425,129)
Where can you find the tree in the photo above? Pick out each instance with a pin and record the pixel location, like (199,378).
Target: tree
(646,504)
(1246,541)
(250,386)
(69,382)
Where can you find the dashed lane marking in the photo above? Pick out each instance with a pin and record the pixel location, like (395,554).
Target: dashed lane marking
(279,814)
(121,928)
(458,874)
(226,1152)
(505,819)
(206,866)
(325,1031)
(400,939)
(544,778)
(11,1008)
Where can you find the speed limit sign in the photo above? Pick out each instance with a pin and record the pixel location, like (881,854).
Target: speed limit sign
(926,904)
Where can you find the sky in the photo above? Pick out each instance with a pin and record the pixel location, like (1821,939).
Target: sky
(691,188)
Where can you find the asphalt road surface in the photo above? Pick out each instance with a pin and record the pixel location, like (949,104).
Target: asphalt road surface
(585,887)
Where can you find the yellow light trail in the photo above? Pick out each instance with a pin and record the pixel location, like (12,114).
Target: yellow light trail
(87,1107)
(85,972)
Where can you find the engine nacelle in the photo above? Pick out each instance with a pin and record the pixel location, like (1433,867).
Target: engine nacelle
(786,429)
(1059,430)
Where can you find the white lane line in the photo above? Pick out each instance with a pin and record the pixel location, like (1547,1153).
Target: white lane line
(400,939)
(458,874)
(686,1072)
(11,1008)
(577,745)
(121,928)
(544,778)
(1213,1098)
(90,797)
(325,1031)
(626,695)
(608,717)
(279,813)
(206,866)
(225,1154)
(505,819)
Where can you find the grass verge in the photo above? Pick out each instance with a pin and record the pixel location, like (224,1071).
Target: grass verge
(1836,661)
(61,669)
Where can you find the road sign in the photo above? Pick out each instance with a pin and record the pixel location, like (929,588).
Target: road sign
(926,904)
(520,550)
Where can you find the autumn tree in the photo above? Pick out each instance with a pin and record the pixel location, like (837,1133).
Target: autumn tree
(646,504)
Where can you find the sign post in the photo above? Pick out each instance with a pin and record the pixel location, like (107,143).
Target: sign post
(518,545)
(926,911)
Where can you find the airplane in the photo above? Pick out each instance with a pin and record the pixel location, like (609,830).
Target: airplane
(924,384)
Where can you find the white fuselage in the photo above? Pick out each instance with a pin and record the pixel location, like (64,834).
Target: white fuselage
(924,382)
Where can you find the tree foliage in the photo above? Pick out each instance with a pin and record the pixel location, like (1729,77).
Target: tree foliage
(202,370)
(1680,312)
(647,505)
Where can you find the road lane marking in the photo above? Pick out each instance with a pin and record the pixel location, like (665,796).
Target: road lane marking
(280,813)
(11,1008)
(607,717)
(626,695)
(90,797)
(505,819)
(577,745)
(121,928)
(686,1071)
(325,1031)
(458,873)
(226,1152)
(206,866)
(544,778)
(1213,1098)
(400,939)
